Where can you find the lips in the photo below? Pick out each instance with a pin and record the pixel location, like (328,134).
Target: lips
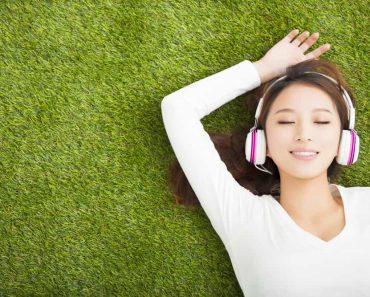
(304,154)
(303,151)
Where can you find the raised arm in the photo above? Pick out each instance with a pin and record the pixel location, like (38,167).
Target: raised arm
(220,195)
(226,203)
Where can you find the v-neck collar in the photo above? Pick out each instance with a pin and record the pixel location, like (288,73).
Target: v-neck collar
(313,239)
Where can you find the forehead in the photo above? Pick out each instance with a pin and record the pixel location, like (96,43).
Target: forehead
(302,98)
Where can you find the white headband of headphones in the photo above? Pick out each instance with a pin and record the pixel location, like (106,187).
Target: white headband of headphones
(350,109)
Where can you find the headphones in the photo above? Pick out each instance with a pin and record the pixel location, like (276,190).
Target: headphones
(255,146)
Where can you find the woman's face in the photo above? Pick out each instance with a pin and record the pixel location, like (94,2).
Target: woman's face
(297,121)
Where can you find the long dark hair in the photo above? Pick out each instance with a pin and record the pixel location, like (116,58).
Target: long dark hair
(231,146)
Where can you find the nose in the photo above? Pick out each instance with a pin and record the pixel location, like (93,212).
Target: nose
(303,133)
(302,138)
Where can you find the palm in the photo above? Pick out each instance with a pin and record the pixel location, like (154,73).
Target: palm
(287,52)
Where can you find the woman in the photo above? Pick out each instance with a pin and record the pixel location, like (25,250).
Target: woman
(287,230)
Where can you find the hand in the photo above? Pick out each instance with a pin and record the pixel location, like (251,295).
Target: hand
(287,52)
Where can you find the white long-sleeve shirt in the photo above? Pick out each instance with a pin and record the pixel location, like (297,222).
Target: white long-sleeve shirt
(270,253)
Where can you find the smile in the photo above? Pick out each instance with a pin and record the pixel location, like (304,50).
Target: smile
(304,155)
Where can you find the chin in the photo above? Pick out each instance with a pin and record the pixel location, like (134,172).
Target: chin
(303,171)
(306,174)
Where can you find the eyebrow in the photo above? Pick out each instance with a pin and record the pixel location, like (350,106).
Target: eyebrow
(292,110)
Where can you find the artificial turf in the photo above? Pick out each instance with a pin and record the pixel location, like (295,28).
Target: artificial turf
(85,209)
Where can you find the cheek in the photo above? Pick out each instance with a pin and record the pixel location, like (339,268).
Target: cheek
(276,139)
(329,138)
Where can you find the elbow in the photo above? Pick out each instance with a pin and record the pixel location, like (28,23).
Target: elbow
(165,104)
(175,105)
(167,108)
(170,99)
(170,102)
(165,101)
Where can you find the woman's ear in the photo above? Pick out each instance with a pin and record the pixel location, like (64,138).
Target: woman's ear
(266,143)
(267,151)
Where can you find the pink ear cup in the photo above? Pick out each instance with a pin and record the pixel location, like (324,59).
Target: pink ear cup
(348,148)
(255,147)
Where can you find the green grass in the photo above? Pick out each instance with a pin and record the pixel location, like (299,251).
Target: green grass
(85,209)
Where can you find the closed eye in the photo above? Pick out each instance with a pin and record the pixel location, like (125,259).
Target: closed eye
(282,122)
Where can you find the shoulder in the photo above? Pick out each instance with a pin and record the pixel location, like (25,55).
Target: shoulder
(358,197)
(356,191)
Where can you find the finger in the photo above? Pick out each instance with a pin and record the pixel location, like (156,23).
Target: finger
(291,35)
(309,42)
(318,52)
(301,38)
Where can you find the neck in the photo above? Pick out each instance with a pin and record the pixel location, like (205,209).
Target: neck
(307,199)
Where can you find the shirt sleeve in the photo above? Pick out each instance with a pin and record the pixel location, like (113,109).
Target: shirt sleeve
(226,203)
